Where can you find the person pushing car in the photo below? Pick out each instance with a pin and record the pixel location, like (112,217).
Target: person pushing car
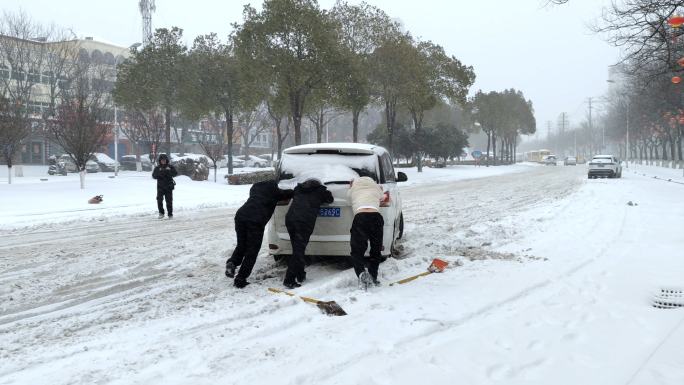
(164,174)
(300,221)
(367,227)
(250,221)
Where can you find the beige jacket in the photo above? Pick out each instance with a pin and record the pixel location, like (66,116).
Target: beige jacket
(365,192)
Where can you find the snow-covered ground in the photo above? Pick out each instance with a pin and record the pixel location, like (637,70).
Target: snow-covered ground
(552,280)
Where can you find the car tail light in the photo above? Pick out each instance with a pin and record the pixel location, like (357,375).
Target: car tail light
(386,201)
(283,203)
(272,246)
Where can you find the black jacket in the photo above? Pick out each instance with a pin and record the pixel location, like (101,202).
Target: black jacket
(261,203)
(308,198)
(164,174)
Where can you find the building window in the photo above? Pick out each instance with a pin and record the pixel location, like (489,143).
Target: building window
(33,76)
(47,78)
(109,59)
(97,57)
(18,75)
(83,56)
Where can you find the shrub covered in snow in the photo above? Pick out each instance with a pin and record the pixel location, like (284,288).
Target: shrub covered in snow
(196,170)
(250,177)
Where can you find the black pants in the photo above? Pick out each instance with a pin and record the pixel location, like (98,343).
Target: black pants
(367,227)
(300,232)
(249,237)
(168,194)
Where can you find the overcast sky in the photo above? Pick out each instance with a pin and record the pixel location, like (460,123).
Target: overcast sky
(547,53)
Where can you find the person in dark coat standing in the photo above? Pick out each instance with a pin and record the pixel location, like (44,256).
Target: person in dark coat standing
(300,221)
(250,221)
(164,174)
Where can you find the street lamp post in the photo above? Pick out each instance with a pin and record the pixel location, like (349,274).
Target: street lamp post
(116,122)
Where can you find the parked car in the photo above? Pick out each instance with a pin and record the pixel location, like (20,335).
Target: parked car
(549,160)
(70,165)
(335,165)
(253,161)
(604,166)
(128,162)
(237,163)
(105,163)
(570,161)
(439,163)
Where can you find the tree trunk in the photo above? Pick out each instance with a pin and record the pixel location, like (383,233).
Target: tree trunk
(355,125)
(390,114)
(418,123)
(168,132)
(229,135)
(81,175)
(489,140)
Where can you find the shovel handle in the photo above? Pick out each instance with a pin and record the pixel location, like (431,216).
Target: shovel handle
(292,295)
(410,278)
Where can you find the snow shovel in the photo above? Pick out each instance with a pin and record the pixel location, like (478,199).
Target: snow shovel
(330,307)
(437,266)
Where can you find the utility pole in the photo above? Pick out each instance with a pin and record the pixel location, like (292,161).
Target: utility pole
(548,132)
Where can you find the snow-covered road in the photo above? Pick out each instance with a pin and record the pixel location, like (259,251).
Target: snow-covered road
(551,280)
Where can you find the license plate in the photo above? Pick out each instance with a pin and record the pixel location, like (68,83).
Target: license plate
(329,212)
(602,165)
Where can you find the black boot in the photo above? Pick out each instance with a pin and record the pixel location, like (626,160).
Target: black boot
(230,269)
(240,283)
(291,285)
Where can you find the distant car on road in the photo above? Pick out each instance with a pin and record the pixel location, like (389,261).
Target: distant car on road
(237,163)
(128,162)
(253,161)
(549,160)
(105,163)
(439,163)
(604,166)
(71,165)
(570,161)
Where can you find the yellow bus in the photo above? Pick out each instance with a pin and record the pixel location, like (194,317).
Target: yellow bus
(534,156)
(543,153)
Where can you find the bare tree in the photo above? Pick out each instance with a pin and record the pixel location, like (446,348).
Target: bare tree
(149,131)
(29,69)
(211,139)
(82,122)
(251,124)
(14,129)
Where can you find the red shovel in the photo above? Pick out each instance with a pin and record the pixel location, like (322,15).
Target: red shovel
(437,266)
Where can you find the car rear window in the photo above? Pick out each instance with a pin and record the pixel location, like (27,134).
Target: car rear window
(328,168)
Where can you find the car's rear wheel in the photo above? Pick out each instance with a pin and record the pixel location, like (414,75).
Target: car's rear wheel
(401,226)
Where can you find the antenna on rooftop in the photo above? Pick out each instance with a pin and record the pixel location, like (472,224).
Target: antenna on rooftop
(146,9)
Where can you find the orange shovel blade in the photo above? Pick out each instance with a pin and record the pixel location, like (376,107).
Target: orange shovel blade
(438,266)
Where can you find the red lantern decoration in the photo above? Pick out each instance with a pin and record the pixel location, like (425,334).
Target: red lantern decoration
(681,121)
(672,120)
(676,79)
(676,21)
(681,62)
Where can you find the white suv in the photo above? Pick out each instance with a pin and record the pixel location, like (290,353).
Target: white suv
(605,166)
(335,164)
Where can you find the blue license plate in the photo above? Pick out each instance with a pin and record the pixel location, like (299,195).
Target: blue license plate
(602,165)
(329,212)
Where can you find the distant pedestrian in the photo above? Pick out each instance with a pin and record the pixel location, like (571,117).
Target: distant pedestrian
(250,221)
(368,226)
(300,222)
(164,174)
